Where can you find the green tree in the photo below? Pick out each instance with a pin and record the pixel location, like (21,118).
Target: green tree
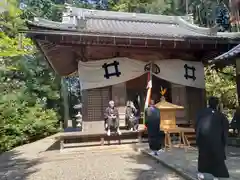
(28,87)
(222,84)
(49,9)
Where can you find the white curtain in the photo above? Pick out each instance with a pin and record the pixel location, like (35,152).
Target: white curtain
(92,73)
(187,73)
(174,70)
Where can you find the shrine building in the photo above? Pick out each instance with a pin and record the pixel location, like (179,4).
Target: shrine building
(112,51)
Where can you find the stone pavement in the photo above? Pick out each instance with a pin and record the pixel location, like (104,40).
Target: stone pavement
(119,162)
(26,153)
(39,161)
(185,163)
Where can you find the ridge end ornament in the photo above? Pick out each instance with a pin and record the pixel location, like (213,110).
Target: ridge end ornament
(114,64)
(190,72)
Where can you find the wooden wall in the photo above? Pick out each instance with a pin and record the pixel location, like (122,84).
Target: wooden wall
(192,99)
(196,100)
(179,97)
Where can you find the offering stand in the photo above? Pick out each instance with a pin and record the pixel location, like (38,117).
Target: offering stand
(169,126)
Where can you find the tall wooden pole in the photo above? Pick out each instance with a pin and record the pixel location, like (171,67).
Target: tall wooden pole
(187,9)
(238,78)
(67,121)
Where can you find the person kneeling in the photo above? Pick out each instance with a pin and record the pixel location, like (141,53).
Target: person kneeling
(112,119)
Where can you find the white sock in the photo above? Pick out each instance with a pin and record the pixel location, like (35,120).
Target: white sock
(161,150)
(154,153)
(119,132)
(108,132)
(200,176)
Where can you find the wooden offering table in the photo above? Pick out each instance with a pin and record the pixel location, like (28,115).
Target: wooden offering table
(168,124)
(182,141)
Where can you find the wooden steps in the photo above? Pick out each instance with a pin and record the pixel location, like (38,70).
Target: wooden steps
(96,143)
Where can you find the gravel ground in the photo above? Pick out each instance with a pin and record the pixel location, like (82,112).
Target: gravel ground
(119,163)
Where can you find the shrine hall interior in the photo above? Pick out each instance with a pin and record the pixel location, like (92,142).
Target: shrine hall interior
(138,87)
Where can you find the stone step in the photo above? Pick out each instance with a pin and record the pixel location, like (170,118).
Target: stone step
(111,142)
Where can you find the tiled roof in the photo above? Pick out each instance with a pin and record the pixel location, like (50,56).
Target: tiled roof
(129,24)
(231,53)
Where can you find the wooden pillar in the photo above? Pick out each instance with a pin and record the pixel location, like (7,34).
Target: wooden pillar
(119,96)
(238,78)
(85,105)
(177,4)
(64,90)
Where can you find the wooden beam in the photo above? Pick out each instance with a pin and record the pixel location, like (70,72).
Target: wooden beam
(45,55)
(145,42)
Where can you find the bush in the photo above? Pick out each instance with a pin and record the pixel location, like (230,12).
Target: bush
(22,124)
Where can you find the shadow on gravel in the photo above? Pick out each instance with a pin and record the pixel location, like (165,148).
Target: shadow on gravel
(15,167)
(150,169)
(55,146)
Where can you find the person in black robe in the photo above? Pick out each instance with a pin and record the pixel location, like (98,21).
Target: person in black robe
(211,135)
(111,117)
(131,116)
(155,135)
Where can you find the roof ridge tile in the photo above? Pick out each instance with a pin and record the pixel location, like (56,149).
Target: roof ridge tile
(116,15)
(131,24)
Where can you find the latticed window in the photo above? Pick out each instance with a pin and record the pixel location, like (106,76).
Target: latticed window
(97,103)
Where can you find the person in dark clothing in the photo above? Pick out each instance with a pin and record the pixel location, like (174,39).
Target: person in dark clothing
(111,116)
(235,123)
(155,135)
(131,116)
(211,135)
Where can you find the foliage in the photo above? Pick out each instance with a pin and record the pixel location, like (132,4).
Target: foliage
(141,6)
(11,47)
(29,101)
(48,9)
(222,84)
(10,19)
(21,123)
